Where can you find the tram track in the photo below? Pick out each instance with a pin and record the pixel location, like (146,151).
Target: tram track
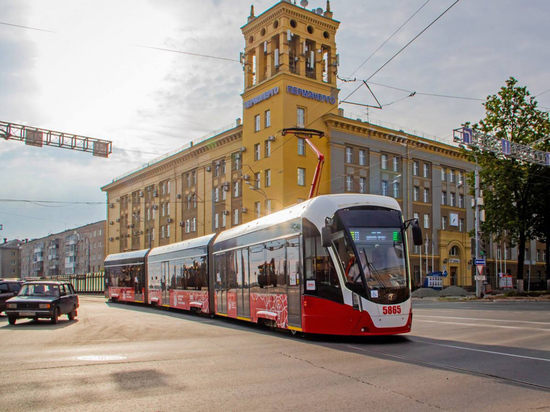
(443,366)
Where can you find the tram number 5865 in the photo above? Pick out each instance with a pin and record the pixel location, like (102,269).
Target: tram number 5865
(391,310)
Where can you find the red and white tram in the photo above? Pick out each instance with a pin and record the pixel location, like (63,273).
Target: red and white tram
(334,264)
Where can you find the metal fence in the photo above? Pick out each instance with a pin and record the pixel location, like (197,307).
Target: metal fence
(85,283)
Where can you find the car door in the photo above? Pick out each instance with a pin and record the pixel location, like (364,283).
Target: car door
(5,294)
(64,299)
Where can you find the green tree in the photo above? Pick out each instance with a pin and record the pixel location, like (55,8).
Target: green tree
(511,186)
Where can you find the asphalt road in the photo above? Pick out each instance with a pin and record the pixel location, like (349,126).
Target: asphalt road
(461,356)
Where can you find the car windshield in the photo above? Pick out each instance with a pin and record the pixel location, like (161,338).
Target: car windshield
(39,290)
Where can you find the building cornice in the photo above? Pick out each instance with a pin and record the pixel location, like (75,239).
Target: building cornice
(358,127)
(176,159)
(287,9)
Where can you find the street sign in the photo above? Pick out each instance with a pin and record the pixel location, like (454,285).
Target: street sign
(480,269)
(482,278)
(480,262)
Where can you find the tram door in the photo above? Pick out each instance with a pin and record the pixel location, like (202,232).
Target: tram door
(164,283)
(243,294)
(220,285)
(294,270)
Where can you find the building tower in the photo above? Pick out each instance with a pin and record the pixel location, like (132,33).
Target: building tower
(290,67)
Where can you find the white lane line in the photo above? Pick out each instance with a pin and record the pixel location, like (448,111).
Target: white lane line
(482,351)
(488,320)
(483,326)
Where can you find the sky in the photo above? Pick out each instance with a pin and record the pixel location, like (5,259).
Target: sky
(94,68)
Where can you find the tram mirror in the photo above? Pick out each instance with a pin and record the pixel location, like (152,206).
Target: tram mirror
(326,236)
(417,233)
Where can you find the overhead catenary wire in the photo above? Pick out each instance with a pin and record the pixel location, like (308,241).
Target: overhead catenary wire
(404,47)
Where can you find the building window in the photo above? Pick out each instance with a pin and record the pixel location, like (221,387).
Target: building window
(460,225)
(385,188)
(236,161)
(396,191)
(257,182)
(168,231)
(267,118)
(301,117)
(443,198)
(257,123)
(301,176)
(443,174)
(452,199)
(451,176)
(349,155)
(443,222)
(416,168)
(384,162)
(267,148)
(396,164)
(217,194)
(257,151)
(216,221)
(426,195)
(257,209)
(194,224)
(416,194)
(362,185)
(268,206)
(426,221)
(362,158)
(461,201)
(236,189)
(236,216)
(426,170)
(267,178)
(194,177)
(301,146)
(188,179)
(349,184)
(460,179)
(224,219)
(187,226)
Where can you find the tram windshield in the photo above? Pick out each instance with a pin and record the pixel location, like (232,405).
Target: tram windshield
(374,256)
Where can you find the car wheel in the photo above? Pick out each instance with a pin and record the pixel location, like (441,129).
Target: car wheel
(12,320)
(71,315)
(55,317)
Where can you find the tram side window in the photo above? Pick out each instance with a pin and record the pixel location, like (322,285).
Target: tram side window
(320,268)
(231,270)
(257,260)
(275,274)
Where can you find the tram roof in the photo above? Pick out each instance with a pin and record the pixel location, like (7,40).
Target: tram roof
(185,245)
(134,254)
(315,210)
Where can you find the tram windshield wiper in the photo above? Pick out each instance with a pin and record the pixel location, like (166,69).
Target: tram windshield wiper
(372,270)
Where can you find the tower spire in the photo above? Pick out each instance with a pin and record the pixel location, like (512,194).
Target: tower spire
(328,12)
(251,17)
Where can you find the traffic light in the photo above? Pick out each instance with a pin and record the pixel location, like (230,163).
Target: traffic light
(482,245)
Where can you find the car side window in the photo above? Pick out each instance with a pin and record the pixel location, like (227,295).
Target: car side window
(15,287)
(70,289)
(4,288)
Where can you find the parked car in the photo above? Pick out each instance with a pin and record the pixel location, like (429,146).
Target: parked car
(43,299)
(8,289)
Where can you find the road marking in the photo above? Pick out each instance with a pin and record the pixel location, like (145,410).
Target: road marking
(482,351)
(483,326)
(101,357)
(488,320)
